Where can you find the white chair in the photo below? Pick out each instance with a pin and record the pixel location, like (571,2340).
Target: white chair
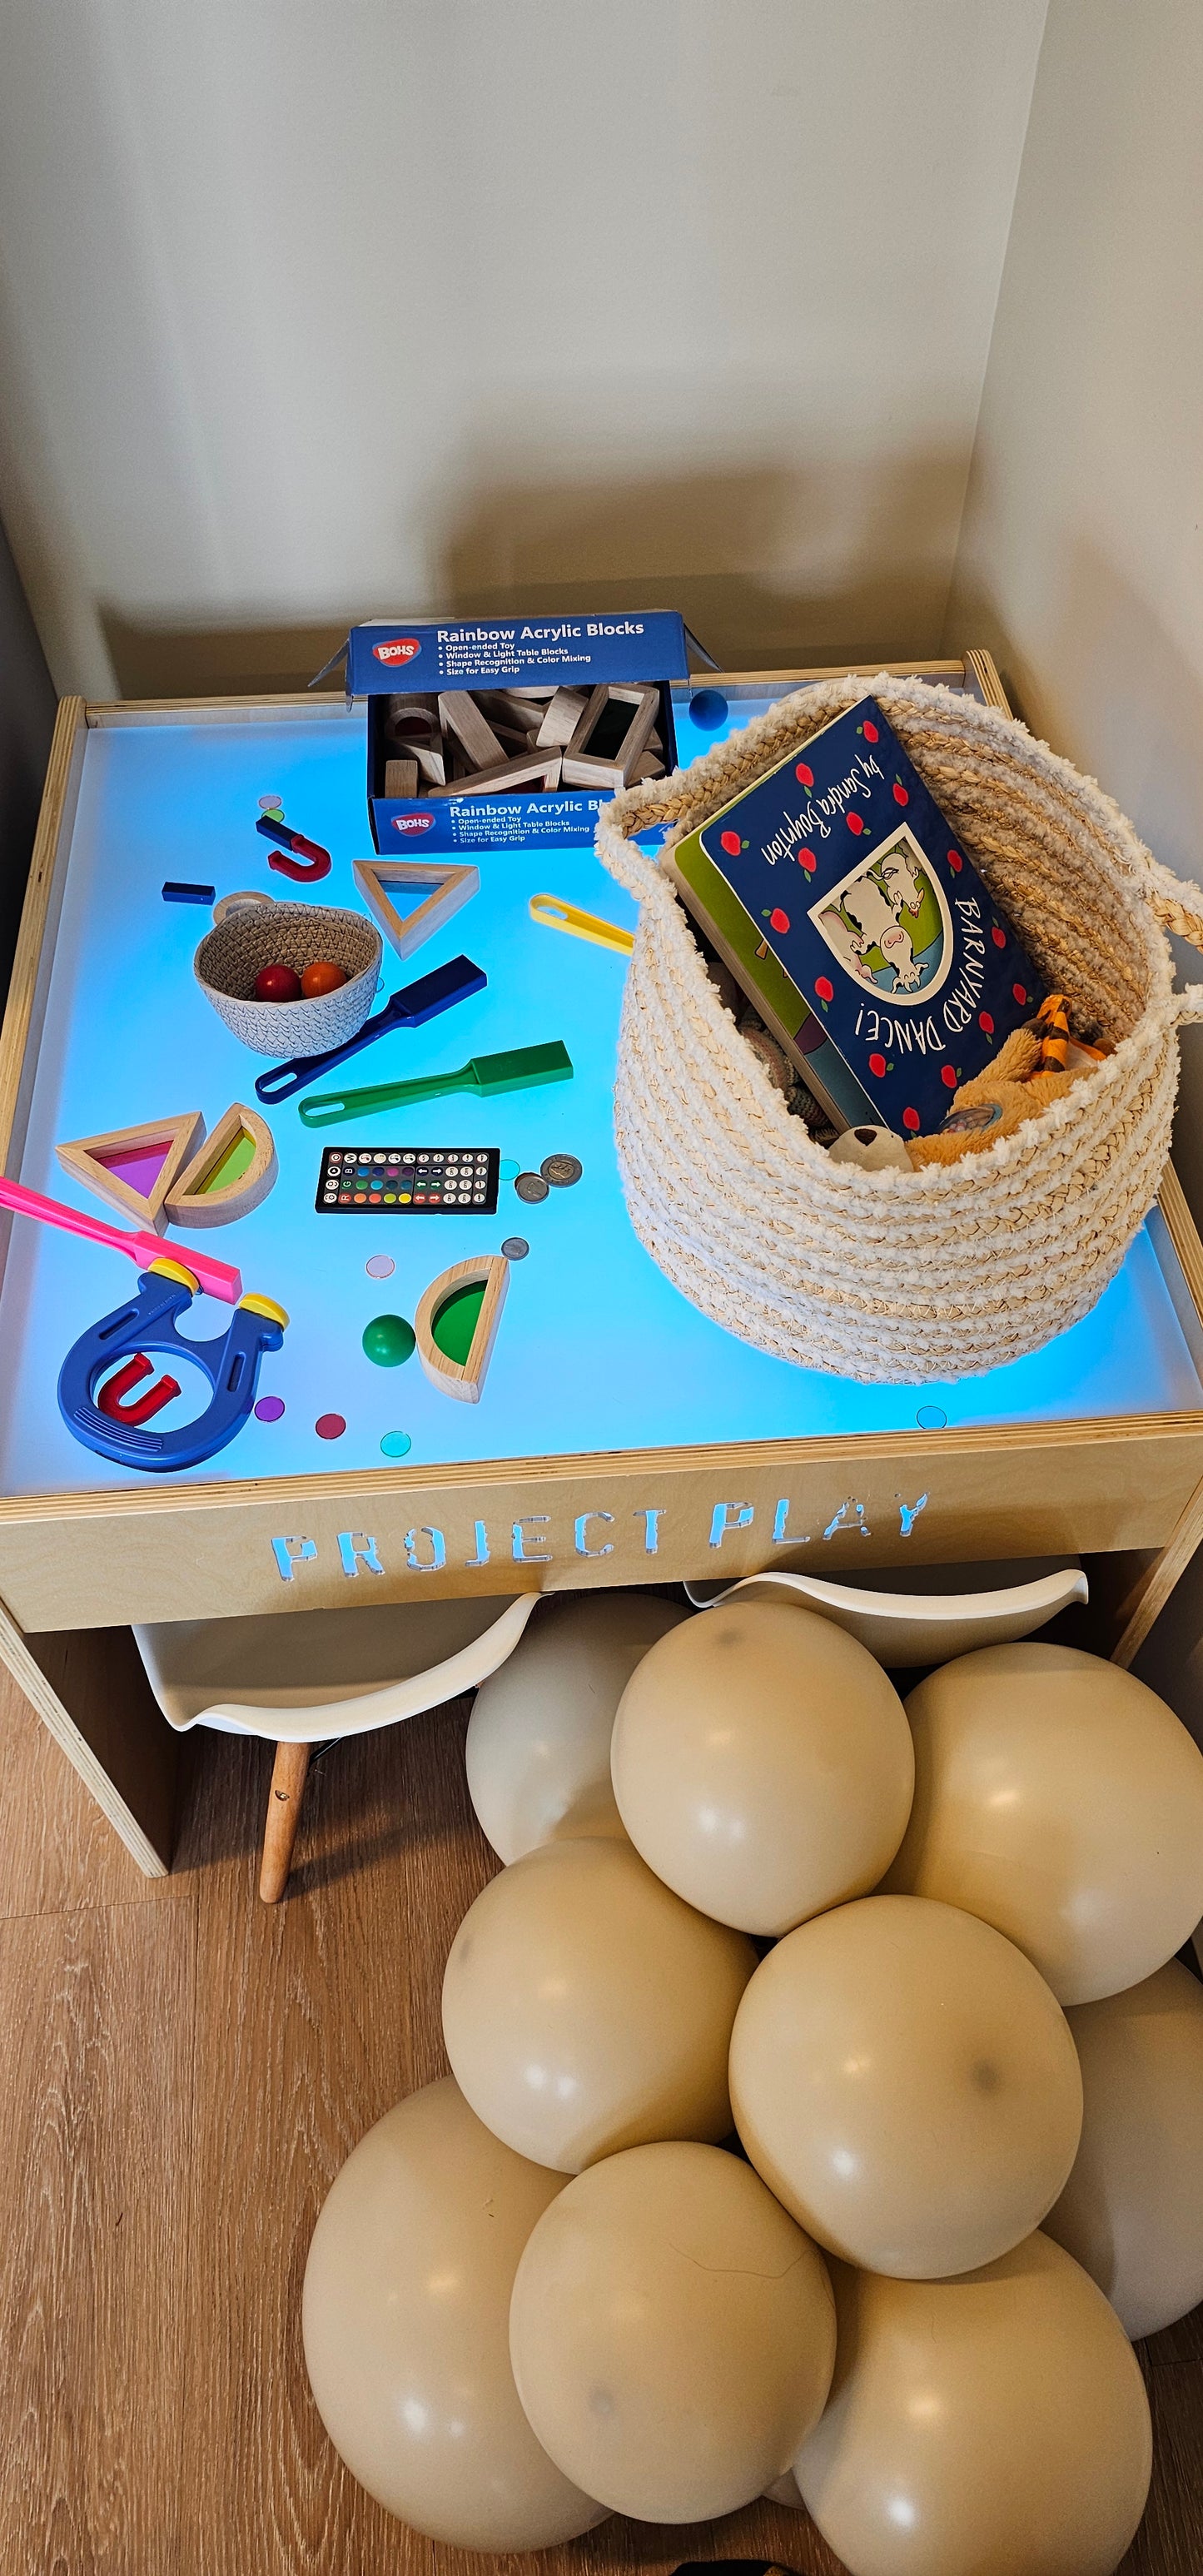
(952,1609)
(317,1676)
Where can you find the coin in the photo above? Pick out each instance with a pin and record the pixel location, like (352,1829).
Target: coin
(561,1170)
(530,1186)
(515,1247)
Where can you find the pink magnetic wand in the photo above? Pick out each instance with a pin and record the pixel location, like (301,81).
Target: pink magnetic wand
(216,1278)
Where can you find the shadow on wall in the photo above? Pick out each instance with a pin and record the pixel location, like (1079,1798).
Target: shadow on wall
(26,723)
(771,566)
(1116,694)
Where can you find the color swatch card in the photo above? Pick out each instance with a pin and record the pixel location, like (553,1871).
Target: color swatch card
(415,1180)
(842,900)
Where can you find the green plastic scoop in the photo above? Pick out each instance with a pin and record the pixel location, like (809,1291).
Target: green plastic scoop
(517,1069)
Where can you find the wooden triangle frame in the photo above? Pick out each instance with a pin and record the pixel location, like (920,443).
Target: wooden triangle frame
(451,885)
(462,1379)
(84,1156)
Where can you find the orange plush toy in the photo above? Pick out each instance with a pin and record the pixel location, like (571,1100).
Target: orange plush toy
(1036,1065)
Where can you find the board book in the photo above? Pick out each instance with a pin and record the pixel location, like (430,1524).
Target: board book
(840,897)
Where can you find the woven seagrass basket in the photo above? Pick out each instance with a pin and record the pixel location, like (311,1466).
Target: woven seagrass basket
(894,1276)
(289,934)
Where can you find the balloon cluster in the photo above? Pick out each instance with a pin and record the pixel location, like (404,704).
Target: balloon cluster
(920,1961)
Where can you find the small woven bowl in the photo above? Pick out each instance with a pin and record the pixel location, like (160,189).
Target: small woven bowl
(289,934)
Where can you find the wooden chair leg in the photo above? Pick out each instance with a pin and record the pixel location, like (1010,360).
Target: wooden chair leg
(283,1817)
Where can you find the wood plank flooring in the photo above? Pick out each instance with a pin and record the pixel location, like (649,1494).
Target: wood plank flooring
(183,2073)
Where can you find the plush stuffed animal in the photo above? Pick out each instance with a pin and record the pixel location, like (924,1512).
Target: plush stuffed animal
(1024,1078)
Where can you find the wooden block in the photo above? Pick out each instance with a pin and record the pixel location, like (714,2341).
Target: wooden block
(462,1379)
(562,718)
(531,769)
(504,707)
(615,769)
(461,716)
(431,763)
(648,767)
(226,1180)
(119,1166)
(415,714)
(449,885)
(401,778)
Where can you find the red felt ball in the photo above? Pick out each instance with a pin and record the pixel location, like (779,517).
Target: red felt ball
(324,976)
(277,984)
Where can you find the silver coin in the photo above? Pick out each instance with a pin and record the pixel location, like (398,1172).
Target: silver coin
(530,1186)
(561,1170)
(515,1247)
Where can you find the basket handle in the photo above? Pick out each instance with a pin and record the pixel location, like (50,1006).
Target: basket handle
(1174,906)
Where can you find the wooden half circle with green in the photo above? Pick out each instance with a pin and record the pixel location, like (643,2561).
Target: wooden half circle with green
(456,1324)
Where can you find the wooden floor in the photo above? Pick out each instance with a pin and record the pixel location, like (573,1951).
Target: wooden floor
(184,2072)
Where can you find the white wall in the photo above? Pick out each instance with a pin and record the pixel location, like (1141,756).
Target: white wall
(306,311)
(1081,557)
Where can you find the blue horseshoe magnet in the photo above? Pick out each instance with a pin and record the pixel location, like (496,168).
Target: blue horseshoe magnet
(147,1323)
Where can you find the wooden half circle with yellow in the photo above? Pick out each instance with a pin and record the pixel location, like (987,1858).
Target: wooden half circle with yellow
(233,1171)
(455,1326)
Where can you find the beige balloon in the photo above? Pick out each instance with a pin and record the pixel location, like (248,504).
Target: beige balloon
(585,2008)
(672,2329)
(905,2082)
(997,2422)
(1132,2210)
(405,2317)
(538,1742)
(1061,1800)
(762,1764)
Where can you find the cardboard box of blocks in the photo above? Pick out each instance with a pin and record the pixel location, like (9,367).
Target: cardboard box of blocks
(487,734)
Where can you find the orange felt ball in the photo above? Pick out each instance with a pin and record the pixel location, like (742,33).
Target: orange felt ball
(324,976)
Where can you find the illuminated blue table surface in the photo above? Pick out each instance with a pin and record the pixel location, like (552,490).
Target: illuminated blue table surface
(597,1353)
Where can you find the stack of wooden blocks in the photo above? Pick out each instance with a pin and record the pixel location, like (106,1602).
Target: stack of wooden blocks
(489,742)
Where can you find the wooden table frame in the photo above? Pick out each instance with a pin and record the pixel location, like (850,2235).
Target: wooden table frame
(1127,1490)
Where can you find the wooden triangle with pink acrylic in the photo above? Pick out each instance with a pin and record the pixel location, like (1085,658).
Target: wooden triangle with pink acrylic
(135,1167)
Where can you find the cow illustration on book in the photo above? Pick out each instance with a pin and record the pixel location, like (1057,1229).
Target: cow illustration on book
(867,903)
(851,946)
(888,921)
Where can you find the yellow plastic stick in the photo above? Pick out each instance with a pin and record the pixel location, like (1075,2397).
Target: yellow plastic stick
(553,914)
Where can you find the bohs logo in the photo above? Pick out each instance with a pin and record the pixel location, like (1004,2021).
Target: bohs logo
(400,648)
(413,822)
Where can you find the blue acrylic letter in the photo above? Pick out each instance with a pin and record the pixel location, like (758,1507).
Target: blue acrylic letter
(520,1528)
(727,1516)
(288,1551)
(438,1550)
(651,1529)
(582,1547)
(354,1543)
